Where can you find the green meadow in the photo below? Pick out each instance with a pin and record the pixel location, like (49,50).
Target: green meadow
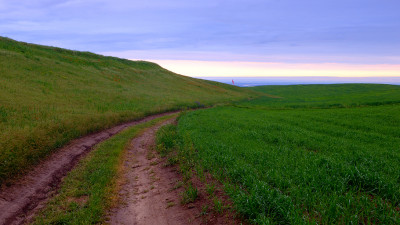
(319,154)
(297,154)
(325,96)
(49,96)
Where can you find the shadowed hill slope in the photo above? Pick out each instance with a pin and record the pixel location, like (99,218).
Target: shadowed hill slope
(49,96)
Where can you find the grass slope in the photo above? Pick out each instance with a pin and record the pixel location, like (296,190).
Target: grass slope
(327,95)
(303,165)
(52,95)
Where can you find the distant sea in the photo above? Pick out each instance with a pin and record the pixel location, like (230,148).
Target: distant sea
(257,81)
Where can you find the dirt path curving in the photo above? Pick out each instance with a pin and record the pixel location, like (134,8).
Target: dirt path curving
(23,198)
(150,194)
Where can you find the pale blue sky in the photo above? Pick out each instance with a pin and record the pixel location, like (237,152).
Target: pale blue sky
(289,31)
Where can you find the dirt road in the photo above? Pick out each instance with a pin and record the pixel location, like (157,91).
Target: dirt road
(150,194)
(23,198)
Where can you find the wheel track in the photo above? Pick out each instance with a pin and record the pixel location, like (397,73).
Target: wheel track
(21,200)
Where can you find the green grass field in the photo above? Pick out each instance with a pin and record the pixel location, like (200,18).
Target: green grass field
(283,165)
(326,96)
(49,96)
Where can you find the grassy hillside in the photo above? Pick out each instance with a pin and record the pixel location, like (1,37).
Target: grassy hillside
(52,95)
(303,165)
(327,95)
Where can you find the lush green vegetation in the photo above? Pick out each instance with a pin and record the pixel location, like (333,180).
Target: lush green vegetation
(166,145)
(302,165)
(325,96)
(177,153)
(49,96)
(90,189)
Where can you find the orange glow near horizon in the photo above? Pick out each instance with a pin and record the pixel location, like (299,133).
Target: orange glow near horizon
(272,69)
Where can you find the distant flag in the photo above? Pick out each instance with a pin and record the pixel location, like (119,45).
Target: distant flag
(233,82)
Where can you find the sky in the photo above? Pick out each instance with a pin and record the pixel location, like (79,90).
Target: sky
(357,38)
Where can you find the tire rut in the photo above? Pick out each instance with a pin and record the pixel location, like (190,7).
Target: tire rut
(150,193)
